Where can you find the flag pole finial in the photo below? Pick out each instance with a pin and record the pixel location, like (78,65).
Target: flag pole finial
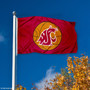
(14,13)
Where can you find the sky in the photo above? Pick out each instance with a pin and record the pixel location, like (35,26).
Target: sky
(35,67)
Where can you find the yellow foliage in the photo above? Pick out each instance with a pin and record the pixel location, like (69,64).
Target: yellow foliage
(19,87)
(80,80)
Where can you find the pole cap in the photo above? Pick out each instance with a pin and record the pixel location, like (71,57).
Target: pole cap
(14,13)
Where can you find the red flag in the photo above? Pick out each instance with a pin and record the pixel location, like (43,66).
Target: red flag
(46,35)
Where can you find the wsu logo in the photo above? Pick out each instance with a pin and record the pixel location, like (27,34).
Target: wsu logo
(47,36)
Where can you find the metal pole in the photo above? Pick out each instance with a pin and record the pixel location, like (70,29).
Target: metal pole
(13,54)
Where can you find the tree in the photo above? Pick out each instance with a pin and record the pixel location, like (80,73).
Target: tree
(76,76)
(19,87)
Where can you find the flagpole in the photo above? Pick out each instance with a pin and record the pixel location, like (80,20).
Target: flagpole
(14,51)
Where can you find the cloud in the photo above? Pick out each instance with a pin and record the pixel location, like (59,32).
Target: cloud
(2,38)
(50,74)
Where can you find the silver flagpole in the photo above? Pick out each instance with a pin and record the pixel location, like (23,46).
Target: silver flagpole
(14,51)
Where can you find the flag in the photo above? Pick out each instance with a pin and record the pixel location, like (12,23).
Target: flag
(46,35)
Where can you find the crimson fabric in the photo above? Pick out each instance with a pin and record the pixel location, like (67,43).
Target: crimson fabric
(26,27)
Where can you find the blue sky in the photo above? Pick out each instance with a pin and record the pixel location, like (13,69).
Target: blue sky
(31,68)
